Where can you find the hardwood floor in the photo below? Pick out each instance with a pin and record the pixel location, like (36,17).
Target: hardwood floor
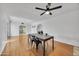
(18,46)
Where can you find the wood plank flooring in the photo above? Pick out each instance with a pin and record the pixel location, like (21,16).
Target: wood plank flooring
(18,46)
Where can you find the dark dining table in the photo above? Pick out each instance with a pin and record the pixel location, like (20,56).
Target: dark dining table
(44,38)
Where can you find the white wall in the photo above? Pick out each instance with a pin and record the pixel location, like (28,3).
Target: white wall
(14,29)
(3,28)
(65,27)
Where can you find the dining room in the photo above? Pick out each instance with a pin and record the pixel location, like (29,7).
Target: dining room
(39,29)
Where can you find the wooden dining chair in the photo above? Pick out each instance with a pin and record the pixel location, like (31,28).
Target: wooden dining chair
(30,40)
(34,41)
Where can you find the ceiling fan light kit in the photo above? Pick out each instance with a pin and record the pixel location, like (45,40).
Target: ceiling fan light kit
(47,12)
(48,9)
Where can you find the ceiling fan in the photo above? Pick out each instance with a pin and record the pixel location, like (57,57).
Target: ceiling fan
(48,9)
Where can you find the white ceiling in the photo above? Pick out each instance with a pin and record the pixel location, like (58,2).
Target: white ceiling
(28,11)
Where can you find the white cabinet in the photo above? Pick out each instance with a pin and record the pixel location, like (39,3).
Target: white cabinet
(22,29)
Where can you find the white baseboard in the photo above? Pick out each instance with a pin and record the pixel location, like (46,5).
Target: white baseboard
(4,44)
(67,41)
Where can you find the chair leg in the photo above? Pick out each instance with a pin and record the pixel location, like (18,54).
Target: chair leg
(31,43)
(37,46)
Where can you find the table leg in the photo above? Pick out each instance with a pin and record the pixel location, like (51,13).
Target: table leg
(53,43)
(43,48)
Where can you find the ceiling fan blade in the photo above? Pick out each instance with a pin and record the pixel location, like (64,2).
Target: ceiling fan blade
(55,8)
(40,8)
(42,13)
(50,13)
